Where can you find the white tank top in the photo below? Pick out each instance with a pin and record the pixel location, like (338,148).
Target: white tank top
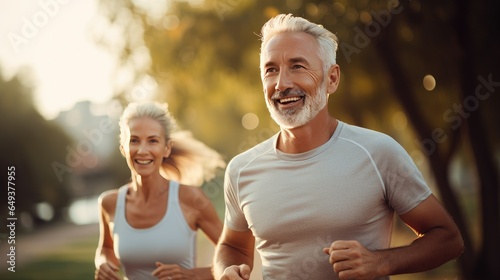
(170,241)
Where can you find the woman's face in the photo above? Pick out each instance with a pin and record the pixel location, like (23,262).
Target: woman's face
(146,146)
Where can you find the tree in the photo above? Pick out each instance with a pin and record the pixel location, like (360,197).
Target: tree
(30,144)
(410,69)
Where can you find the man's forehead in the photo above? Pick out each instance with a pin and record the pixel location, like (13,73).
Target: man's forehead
(290,46)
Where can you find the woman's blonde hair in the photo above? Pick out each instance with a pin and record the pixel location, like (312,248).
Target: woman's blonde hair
(191,162)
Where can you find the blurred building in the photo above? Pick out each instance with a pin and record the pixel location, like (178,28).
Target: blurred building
(94,130)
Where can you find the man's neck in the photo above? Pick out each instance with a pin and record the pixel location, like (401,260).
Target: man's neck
(307,137)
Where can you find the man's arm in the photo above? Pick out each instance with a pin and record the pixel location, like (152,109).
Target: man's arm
(233,258)
(439,239)
(438,242)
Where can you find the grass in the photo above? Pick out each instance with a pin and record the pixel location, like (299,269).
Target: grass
(73,261)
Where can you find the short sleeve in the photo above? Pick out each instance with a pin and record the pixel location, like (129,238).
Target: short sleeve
(404,183)
(234,217)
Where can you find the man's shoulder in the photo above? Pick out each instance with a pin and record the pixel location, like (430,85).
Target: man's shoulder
(354,132)
(358,131)
(261,149)
(366,137)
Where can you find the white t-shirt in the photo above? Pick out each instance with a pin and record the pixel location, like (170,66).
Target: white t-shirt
(298,204)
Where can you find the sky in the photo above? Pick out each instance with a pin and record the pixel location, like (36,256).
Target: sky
(53,39)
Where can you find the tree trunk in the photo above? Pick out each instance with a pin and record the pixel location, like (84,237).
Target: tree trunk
(467,259)
(439,164)
(487,266)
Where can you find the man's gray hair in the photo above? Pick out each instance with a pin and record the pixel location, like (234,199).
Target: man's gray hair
(328,42)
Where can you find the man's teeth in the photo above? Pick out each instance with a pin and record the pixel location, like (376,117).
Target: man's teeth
(289,99)
(144,161)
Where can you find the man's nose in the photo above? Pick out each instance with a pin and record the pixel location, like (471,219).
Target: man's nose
(284,81)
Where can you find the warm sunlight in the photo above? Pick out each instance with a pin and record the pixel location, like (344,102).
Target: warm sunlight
(52,40)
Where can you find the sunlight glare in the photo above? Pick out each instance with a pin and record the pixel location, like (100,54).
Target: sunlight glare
(84,211)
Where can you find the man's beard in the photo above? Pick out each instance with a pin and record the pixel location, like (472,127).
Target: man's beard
(298,116)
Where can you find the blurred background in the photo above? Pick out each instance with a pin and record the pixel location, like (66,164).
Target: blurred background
(425,73)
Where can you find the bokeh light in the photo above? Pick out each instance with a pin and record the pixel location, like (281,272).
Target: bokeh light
(429,82)
(250,121)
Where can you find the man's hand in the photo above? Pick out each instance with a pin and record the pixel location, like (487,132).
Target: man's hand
(236,272)
(351,260)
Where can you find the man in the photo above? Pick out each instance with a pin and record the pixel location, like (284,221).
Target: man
(318,198)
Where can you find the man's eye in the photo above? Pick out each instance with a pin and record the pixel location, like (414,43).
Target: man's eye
(271,70)
(297,66)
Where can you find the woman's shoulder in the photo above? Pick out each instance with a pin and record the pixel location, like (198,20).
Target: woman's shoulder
(199,211)
(107,199)
(188,191)
(192,196)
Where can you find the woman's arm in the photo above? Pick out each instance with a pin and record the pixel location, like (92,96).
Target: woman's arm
(201,214)
(208,220)
(106,263)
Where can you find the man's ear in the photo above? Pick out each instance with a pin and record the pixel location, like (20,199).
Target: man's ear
(168,149)
(333,78)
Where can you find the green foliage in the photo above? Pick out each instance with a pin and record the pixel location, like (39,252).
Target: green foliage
(30,144)
(205,57)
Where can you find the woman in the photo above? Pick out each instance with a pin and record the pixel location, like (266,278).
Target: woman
(148,226)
